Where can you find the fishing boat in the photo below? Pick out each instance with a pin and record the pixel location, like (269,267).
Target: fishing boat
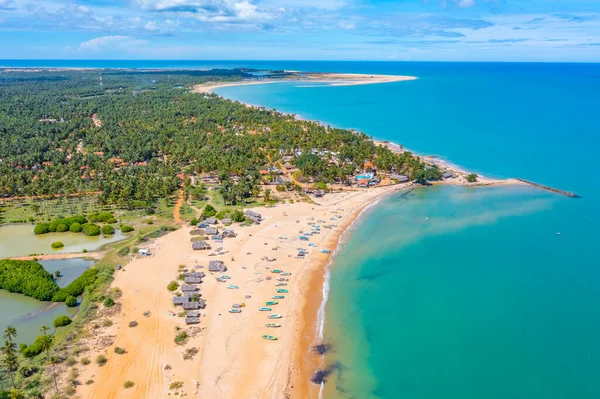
(233,287)
(282,291)
(225,277)
(282,279)
(274,316)
(270,337)
(235,310)
(280,284)
(220,280)
(264,309)
(277,297)
(271,303)
(312,245)
(304,238)
(272,325)
(286,274)
(275,271)
(325,251)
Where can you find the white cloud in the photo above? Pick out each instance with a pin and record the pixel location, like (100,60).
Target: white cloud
(348,25)
(109,42)
(466,3)
(6,4)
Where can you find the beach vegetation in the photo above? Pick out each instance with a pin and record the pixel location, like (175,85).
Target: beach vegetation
(120,351)
(208,211)
(85,361)
(133,324)
(109,302)
(101,360)
(127,229)
(472,177)
(71,301)
(62,321)
(173,285)
(77,286)
(128,384)
(28,278)
(181,338)
(57,245)
(107,229)
(90,229)
(76,228)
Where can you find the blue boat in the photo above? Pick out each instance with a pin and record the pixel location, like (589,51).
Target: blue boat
(325,251)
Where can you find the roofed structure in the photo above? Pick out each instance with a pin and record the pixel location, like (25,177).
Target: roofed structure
(400,178)
(216,266)
(194,274)
(189,288)
(211,231)
(200,245)
(192,280)
(254,216)
(210,220)
(192,320)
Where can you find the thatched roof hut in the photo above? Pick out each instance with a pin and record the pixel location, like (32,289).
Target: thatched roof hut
(179,300)
(191,305)
(193,313)
(254,216)
(192,320)
(192,280)
(210,220)
(211,231)
(194,274)
(189,288)
(229,233)
(216,266)
(200,245)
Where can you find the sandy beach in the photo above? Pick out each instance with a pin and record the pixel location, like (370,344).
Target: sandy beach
(331,79)
(233,360)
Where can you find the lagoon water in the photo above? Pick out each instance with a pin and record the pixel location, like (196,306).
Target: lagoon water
(451,292)
(26,314)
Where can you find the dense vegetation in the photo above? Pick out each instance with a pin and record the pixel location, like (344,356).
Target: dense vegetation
(77,286)
(27,278)
(136,138)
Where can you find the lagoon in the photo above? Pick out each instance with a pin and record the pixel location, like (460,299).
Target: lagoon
(26,314)
(19,240)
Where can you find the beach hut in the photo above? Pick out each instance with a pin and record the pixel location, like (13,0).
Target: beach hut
(200,245)
(400,178)
(179,300)
(194,274)
(363,183)
(211,220)
(211,231)
(228,233)
(319,193)
(447,175)
(216,266)
(193,313)
(192,320)
(192,280)
(226,221)
(191,305)
(254,216)
(189,288)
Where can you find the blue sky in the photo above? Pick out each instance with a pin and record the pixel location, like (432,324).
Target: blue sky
(454,30)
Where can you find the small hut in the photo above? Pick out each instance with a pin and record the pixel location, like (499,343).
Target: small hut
(228,233)
(191,306)
(200,245)
(211,231)
(193,313)
(216,266)
(447,175)
(179,300)
(210,220)
(189,288)
(226,221)
(400,178)
(194,274)
(192,320)
(254,216)
(192,280)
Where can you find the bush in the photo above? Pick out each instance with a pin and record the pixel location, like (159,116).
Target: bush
(181,338)
(120,351)
(101,360)
(107,323)
(34,349)
(173,285)
(208,211)
(84,251)
(57,245)
(71,301)
(42,228)
(127,229)
(472,178)
(149,221)
(133,324)
(238,216)
(91,230)
(193,222)
(109,303)
(62,321)
(85,361)
(107,229)
(76,228)
(61,228)
(128,384)
(102,217)
(123,251)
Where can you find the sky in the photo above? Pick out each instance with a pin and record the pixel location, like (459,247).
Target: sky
(419,30)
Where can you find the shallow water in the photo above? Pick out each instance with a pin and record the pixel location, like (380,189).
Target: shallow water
(19,240)
(26,314)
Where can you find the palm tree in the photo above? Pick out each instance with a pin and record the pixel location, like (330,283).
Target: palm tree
(47,345)
(9,333)
(10,361)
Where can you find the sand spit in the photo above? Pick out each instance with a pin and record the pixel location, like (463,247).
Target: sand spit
(233,361)
(331,79)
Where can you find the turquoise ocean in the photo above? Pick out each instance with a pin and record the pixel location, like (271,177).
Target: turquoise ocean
(450,292)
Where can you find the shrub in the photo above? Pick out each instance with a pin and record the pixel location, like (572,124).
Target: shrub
(238,216)
(181,338)
(128,384)
(472,178)
(84,251)
(149,221)
(102,217)
(107,323)
(208,211)
(111,221)
(123,251)
(42,228)
(91,229)
(127,229)
(71,301)
(89,382)
(77,286)
(133,324)
(76,228)
(22,347)
(108,302)
(173,285)
(57,245)
(120,351)
(107,229)
(193,222)
(101,360)
(35,348)
(85,361)
(62,321)
(61,228)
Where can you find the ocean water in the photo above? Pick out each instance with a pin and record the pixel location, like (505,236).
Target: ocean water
(449,292)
